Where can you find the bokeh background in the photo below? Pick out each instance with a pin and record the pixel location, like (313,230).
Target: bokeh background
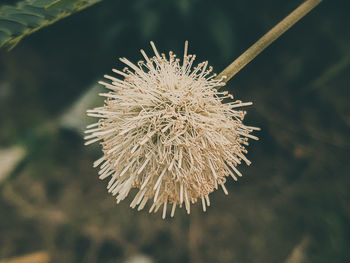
(292,204)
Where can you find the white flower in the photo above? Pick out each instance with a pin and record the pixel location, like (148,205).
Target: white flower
(165,131)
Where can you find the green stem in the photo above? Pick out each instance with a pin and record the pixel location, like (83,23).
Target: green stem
(267,39)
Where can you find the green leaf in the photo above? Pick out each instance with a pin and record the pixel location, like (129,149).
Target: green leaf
(29,16)
(12,25)
(42,3)
(29,19)
(62,4)
(3,36)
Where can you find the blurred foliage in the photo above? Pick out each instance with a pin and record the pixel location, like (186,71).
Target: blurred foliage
(292,204)
(28,16)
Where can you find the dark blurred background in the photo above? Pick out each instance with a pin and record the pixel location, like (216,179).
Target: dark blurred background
(292,204)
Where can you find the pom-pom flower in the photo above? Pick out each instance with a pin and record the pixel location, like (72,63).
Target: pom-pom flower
(165,131)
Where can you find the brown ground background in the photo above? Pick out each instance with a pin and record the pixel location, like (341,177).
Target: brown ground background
(292,205)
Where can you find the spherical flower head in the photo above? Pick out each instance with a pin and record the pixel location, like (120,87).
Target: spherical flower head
(165,130)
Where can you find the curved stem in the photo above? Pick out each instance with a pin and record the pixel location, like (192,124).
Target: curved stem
(267,39)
